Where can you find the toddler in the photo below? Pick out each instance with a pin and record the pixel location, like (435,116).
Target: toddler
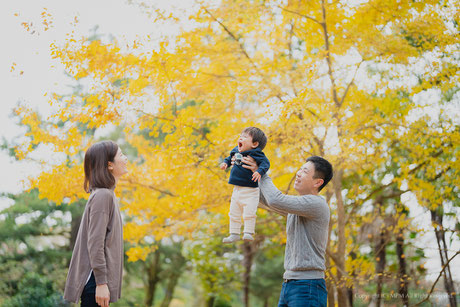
(245,197)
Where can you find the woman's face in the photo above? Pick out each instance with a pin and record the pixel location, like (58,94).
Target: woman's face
(118,166)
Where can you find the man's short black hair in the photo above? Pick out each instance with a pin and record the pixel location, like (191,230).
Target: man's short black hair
(323,170)
(257,136)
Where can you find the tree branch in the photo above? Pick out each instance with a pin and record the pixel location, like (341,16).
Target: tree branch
(302,15)
(356,203)
(172,88)
(328,56)
(336,261)
(243,50)
(350,84)
(380,188)
(289,185)
(149,186)
(200,132)
(437,279)
(216,75)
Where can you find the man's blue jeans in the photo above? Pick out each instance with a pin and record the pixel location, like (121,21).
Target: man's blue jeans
(303,293)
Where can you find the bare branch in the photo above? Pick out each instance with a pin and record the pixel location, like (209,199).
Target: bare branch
(356,203)
(350,84)
(216,75)
(149,186)
(200,132)
(437,279)
(302,15)
(243,50)
(399,192)
(336,261)
(290,183)
(172,88)
(328,55)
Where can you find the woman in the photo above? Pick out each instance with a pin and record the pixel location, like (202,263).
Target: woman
(96,267)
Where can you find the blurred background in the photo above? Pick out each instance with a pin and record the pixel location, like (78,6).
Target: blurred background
(370,85)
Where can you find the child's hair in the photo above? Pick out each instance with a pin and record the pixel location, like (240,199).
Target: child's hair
(257,136)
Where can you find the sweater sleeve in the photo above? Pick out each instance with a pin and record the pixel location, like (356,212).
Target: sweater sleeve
(228,160)
(309,206)
(263,163)
(263,204)
(99,215)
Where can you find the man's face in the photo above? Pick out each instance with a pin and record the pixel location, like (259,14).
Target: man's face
(304,182)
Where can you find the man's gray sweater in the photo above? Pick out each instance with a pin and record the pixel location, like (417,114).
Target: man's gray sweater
(306,230)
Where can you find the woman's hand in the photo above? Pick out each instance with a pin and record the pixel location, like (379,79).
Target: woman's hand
(249,163)
(102,295)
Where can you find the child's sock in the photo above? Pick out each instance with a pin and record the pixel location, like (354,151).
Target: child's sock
(248,237)
(233,237)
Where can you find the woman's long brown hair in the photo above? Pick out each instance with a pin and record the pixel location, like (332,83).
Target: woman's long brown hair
(97,158)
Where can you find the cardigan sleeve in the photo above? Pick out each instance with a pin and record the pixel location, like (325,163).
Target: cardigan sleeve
(101,209)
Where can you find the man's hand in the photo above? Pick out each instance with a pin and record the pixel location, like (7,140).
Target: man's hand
(250,163)
(102,295)
(256,176)
(223,166)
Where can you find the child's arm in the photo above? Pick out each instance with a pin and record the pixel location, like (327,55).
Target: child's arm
(228,160)
(263,166)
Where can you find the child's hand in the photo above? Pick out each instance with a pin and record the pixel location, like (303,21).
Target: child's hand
(256,176)
(223,166)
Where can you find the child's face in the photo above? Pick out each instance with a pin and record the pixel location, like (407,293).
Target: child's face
(245,142)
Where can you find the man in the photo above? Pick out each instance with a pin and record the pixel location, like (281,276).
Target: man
(306,229)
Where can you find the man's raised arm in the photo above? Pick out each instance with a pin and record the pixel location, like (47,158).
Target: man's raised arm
(310,206)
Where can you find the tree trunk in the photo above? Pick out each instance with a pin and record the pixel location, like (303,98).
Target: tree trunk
(177,268)
(329,281)
(172,282)
(152,269)
(380,251)
(402,272)
(353,275)
(248,253)
(76,214)
(210,301)
(451,289)
(437,218)
(329,284)
(342,295)
(74,226)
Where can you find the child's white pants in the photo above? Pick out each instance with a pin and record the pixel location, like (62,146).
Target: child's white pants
(244,202)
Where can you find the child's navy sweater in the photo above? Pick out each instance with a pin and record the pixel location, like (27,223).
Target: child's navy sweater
(242,176)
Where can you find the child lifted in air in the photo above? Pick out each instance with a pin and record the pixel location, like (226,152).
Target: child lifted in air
(245,197)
